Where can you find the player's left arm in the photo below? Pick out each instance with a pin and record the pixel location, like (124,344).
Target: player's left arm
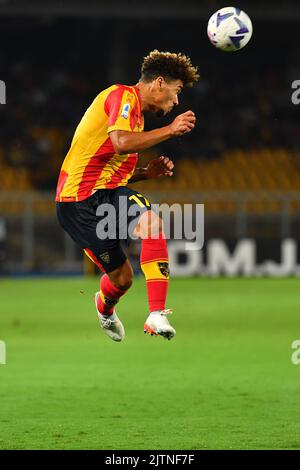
(156,168)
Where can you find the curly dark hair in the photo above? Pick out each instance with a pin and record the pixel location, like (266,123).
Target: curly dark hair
(171,66)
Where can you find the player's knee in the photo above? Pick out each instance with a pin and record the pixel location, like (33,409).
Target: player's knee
(125,282)
(151,225)
(122,277)
(122,281)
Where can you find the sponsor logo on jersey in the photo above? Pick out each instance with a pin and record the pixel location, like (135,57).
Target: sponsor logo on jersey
(125,111)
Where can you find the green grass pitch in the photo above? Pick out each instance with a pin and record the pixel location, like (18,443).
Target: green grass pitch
(225,382)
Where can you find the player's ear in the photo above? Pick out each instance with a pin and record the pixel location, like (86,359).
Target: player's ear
(160,82)
(157,84)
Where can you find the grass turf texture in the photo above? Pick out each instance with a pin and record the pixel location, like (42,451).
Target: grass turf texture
(225,382)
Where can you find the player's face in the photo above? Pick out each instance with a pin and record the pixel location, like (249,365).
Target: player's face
(165,95)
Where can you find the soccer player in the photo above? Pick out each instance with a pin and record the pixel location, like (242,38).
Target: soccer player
(96,172)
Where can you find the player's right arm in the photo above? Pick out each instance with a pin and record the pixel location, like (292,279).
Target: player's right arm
(130,142)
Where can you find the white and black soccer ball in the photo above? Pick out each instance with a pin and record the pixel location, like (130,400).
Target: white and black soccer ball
(229,29)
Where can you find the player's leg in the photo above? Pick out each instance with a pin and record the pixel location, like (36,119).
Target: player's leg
(80,221)
(155,266)
(113,286)
(135,213)
(114,283)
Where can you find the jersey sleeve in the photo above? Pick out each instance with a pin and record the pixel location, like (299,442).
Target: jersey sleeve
(120,107)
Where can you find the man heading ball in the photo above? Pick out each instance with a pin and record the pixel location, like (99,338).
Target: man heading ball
(96,171)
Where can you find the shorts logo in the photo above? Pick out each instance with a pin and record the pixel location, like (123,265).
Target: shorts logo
(164,269)
(105,257)
(125,111)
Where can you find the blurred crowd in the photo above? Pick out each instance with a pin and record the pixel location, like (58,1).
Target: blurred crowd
(242,102)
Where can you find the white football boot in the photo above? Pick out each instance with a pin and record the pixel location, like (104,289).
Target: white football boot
(158,324)
(111,324)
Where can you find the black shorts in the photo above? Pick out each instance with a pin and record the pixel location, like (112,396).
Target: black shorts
(99,223)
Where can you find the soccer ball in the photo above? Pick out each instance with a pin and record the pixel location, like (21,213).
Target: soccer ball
(229,29)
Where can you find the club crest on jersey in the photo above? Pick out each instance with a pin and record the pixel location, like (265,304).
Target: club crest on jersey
(125,111)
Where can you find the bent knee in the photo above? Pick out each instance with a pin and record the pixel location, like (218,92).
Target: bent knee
(125,283)
(122,277)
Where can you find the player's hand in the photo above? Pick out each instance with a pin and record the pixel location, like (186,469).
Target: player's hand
(161,166)
(183,123)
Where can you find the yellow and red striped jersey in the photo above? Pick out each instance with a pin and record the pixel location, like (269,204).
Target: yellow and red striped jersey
(91,162)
